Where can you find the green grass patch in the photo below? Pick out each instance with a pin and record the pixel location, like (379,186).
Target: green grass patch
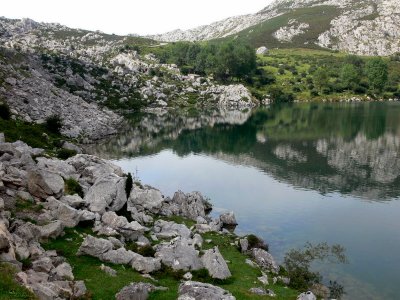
(73,187)
(10,289)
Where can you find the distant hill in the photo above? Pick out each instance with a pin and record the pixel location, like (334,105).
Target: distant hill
(369,27)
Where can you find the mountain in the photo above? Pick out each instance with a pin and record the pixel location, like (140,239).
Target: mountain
(90,79)
(370,27)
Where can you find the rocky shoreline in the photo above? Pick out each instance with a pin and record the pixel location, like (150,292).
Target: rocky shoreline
(38,203)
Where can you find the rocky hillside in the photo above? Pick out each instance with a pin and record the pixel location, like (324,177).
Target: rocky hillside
(361,27)
(101,235)
(90,79)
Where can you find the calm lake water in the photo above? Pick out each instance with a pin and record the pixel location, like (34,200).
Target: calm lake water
(305,172)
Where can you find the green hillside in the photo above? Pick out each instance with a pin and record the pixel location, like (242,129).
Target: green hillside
(318,18)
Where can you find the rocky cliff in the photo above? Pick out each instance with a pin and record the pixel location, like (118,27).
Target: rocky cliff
(90,78)
(361,27)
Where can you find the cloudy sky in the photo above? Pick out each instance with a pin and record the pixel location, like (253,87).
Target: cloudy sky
(130,16)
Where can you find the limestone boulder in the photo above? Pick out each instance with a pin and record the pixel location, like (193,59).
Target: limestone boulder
(43,183)
(107,193)
(215,264)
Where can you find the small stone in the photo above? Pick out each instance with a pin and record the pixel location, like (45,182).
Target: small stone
(108,270)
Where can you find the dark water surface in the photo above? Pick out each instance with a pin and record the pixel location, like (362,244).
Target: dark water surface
(306,172)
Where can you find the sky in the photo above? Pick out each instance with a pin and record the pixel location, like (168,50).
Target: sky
(130,16)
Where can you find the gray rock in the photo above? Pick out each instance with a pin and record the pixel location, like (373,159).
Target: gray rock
(191,205)
(43,184)
(2,138)
(130,230)
(265,260)
(116,242)
(79,289)
(136,291)
(74,201)
(262,50)
(188,276)
(306,296)
(228,219)
(63,272)
(147,198)
(120,256)
(94,247)
(167,230)
(57,166)
(179,254)
(73,147)
(192,290)
(146,264)
(5,238)
(68,216)
(51,230)
(1,204)
(107,193)
(92,168)
(108,270)
(43,264)
(215,264)
(320,290)
(263,279)
(262,292)
(244,245)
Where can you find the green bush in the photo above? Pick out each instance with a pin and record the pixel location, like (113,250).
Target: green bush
(65,153)
(54,124)
(5,112)
(256,242)
(73,187)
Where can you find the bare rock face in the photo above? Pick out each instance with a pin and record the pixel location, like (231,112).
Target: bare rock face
(198,291)
(215,264)
(42,184)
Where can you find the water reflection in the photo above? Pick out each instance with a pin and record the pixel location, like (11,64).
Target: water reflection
(348,148)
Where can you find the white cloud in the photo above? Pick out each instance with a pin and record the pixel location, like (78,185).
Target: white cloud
(130,16)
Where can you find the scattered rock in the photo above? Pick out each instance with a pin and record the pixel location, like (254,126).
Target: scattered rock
(198,291)
(43,184)
(108,270)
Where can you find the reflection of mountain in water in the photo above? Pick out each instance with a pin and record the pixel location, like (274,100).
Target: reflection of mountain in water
(352,149)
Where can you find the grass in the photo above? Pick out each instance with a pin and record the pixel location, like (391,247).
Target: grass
(22,205)
(10,289)
(102,286)
(73,187)
(34,135)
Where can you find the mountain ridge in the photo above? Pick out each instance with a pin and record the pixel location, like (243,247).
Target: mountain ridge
(368,28)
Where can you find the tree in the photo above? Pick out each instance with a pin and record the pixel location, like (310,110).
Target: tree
(377,73)
(349,76)
(321,78)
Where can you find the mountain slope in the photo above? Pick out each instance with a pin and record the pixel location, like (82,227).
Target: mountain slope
(369,27)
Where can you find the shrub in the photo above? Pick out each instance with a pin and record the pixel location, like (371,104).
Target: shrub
(298,263)
(54,124)
(73,187)
(128,184)
(279,96)
(256,242)
(5,112)
(146,251)
(65,153)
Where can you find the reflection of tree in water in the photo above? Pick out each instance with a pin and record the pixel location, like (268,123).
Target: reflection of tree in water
(350,148)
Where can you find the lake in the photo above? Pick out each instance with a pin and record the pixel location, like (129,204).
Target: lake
(297,173)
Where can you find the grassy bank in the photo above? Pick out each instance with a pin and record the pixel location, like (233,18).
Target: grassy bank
(102,286)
